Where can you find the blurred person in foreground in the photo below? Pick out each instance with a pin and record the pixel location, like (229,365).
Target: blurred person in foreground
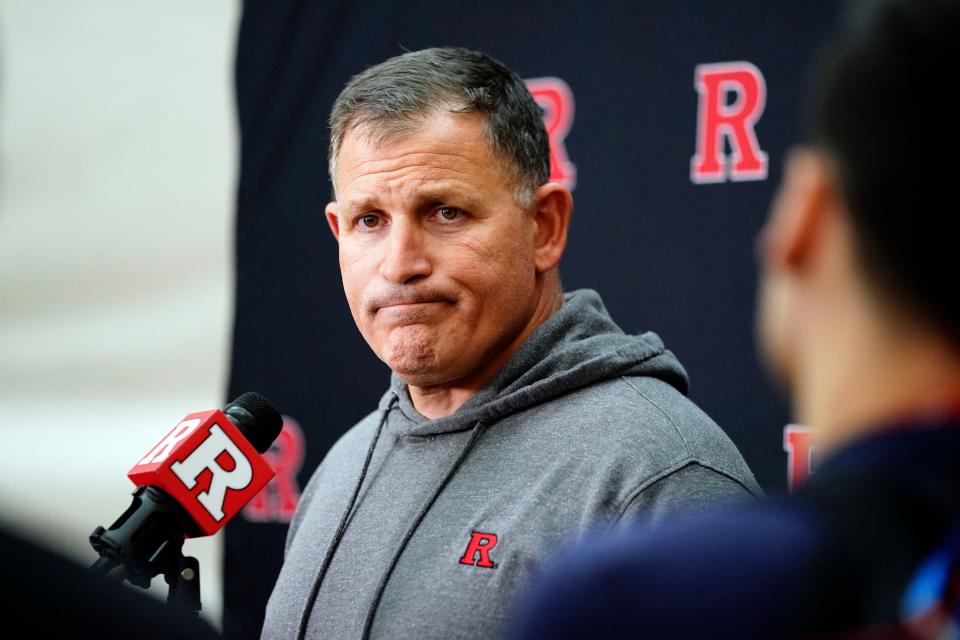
(518,415)
(46,595)
(859,315)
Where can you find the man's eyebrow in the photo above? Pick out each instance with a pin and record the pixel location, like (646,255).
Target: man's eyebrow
(443,196)
(361,203)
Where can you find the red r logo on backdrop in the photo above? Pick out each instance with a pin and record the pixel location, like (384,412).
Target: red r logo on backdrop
(555,98)
(278,500)
(719,121)
(798,443)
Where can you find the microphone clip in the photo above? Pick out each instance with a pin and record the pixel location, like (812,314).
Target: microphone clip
(146,541)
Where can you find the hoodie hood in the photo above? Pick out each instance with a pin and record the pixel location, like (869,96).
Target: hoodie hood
(579,345)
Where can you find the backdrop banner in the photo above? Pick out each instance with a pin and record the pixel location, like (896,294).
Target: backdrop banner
(670,122)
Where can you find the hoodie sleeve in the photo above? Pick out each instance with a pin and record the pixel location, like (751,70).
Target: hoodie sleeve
(693,487)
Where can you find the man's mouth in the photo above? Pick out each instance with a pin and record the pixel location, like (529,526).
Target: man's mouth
(407,303)
(410,306)
(411,312)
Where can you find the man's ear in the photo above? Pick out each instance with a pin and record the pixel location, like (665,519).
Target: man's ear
(333,220)
(798,217)
(553,206)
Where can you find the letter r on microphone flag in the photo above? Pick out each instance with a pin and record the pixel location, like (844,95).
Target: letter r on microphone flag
(207,466)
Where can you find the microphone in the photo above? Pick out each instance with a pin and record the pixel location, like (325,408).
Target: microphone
(190,484)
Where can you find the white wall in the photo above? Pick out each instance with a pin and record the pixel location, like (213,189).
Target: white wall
(117,171)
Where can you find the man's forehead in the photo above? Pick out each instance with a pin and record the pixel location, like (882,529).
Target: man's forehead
(441,155)
(442,129)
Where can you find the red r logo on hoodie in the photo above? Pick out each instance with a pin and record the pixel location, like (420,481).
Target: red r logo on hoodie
(478,551)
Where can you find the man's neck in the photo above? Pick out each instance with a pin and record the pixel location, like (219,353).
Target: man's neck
(874,379)
(443,400)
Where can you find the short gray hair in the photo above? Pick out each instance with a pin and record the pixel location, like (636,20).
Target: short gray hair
(392,97)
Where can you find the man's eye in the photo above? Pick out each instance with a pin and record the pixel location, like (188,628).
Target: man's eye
(449,214)
(368,221)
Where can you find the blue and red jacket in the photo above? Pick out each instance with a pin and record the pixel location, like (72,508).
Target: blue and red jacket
(867,548)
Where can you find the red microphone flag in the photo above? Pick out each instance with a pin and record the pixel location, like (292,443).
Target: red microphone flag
(207,466)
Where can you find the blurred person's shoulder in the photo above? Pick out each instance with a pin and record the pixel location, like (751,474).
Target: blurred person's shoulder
(839,556)
(728,573)
(48,595)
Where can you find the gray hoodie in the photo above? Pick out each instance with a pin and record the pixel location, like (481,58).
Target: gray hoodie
(417,528)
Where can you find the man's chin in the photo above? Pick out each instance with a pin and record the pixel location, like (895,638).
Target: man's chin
(418,375)
(415,366)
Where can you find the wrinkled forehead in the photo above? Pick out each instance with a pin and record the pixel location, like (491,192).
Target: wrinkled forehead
(414,171)
(440,139)
(376,135)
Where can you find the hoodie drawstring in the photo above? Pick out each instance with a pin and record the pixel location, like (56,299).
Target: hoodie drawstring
(478,430)
(342,527)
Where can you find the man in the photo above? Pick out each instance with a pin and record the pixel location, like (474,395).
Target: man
(859,318)
(517,416)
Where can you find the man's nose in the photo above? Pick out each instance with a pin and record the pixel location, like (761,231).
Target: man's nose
(406,258)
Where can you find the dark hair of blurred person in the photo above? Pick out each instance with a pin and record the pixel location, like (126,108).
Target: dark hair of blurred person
(860,319)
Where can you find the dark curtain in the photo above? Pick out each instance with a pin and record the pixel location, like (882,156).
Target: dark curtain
(665,253)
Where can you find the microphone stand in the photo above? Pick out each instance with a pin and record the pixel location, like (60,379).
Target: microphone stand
(147,540)
(184,584)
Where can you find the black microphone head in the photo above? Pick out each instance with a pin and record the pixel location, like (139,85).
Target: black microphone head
(256,418)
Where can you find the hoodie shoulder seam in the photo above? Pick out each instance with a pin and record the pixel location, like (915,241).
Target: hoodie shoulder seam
(662,412)
(649,483)
(652,480)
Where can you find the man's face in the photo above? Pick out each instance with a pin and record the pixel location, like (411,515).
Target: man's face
(796,251)
(772,304)
(773,324)
(437,258)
